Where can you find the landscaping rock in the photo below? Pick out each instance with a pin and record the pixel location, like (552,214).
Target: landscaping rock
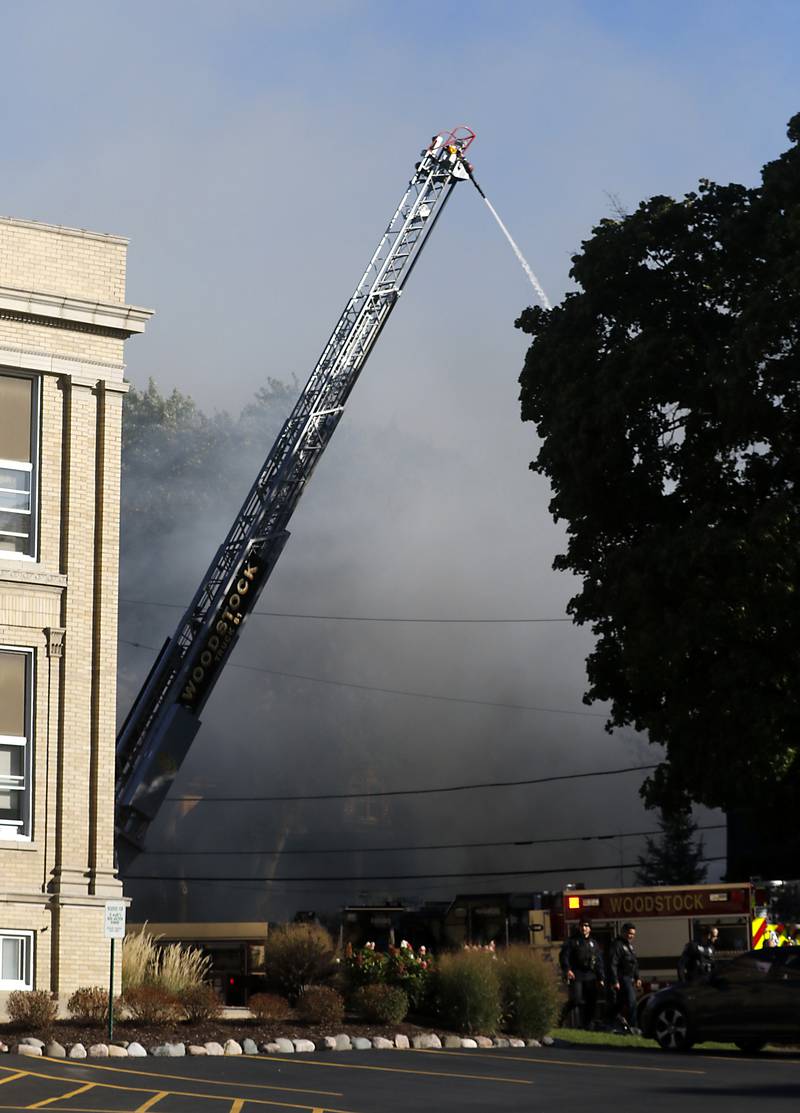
(517,1043)
(342,1042)
(500,1041)
(232,1047)
(195,1049)
(213,1048)
(380,1043)
(117,1051)
(533,1043)
(401,1042)
(56,1050)
(3,1048)
(136,1051)
(31,1041)
(28,1049)
(469,1043)
(428,1041)
(98,1051)
(286,1047)
(249,1047)
(77,1051)
(271,1048)
(168,1050)
(452,1041)
(329,1043)
(304,1045)
(547,1041)
(484,1041)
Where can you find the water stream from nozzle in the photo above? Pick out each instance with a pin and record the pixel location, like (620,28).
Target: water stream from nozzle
(542,296)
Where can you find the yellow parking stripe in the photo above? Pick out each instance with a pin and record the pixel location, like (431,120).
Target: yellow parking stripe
(237,1106)
(563,1062)
(63,1097)
(12,1077)
(150,1101)
(401,1070)
(188,1078)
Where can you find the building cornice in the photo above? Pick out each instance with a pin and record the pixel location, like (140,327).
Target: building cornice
(121,318)
(27,359)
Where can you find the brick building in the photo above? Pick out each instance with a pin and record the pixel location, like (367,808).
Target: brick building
(63,324)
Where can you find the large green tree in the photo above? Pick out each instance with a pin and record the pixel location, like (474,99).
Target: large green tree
(666,392)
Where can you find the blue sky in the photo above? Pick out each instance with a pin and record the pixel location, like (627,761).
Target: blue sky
(253,152)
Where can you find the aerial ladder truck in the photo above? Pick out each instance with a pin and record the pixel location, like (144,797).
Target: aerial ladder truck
(165,717)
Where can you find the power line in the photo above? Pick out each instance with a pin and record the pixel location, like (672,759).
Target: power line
(265,878)
(424,846)
(362,618)
(405,791)
(395,691)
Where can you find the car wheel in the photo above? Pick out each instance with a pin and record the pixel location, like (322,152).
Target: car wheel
(751,1047)
(671,1028)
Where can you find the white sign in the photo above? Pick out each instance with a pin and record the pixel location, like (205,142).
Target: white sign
(115,920)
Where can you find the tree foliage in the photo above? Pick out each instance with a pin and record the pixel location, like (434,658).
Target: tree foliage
(666,391)
(674,857)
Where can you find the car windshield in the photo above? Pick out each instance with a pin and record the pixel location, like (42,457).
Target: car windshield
(752,964)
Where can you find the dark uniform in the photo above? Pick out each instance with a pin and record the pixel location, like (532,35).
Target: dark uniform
(624,972)
(697,961)
(582,957)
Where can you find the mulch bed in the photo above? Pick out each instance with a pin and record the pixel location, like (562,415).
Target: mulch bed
(67,1032)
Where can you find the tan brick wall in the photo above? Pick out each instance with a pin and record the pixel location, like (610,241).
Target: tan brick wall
(63,604)
(55,260)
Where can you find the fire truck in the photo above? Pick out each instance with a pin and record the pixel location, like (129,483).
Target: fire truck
(666,918)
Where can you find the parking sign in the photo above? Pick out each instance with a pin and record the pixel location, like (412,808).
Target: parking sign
(115,919)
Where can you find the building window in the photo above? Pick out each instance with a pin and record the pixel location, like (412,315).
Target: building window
(18,450)
(15,743)
(16,959)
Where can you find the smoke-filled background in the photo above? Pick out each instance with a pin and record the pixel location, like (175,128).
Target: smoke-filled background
(254,152)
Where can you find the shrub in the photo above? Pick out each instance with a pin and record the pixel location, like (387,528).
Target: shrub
(33,1008)
(297,955)
(139,959)
(381,1004)
(530,992)
(268,1006)
(174,968)
(89,1005)
(364,965)
(468,992)
(320,1004)
(180,968)
(410,971)
(149,1004)
(201,1002)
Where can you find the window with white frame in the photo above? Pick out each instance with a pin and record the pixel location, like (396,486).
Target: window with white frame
(15,743)
(16,959)
(18,452)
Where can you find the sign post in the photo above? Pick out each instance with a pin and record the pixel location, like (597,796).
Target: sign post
(114,929)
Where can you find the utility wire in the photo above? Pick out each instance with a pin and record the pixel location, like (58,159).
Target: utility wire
(405,791)
(424,846)
(359,618)
(395,691)
(265,878)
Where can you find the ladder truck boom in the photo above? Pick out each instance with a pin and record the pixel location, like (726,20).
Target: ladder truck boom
(164,718)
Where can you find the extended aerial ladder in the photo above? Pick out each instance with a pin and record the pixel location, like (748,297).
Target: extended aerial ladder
(164,719)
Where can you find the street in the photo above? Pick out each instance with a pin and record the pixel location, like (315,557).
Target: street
(503,1081)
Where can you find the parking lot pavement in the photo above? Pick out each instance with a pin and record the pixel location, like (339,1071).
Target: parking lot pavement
(500,1081)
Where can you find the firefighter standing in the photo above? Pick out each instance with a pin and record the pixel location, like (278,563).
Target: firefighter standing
(697,961)
(581,962)
(624,974)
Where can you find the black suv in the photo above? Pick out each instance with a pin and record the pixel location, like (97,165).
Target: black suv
(750,1000)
